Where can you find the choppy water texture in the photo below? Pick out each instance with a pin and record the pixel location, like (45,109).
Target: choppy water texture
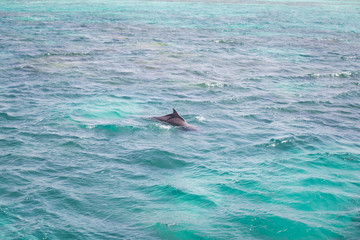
(273,86)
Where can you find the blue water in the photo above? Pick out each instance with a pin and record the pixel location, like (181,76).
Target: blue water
(273,86)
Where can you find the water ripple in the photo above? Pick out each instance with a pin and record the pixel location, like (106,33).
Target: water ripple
(273,87)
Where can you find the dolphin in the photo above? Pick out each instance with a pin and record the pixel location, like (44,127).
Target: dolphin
(175,119)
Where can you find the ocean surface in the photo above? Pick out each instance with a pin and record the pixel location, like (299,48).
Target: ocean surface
(272,85)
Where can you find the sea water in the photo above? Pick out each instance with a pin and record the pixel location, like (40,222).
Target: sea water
(273,87)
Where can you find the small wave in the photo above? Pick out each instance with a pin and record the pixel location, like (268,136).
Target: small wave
(175,231)
(230,190)
(68,199)
(200,118)
(12,96)
(308,142)
(10,142)
(212,85)
(31,158)
(111,127)
(329,40)
(176,194)
(249,183)
(288,109)
(350,57)
(272,226)
(8,130)
(308,102)
(66,54)
(283,144)
(256,118)
(346,74)
(348,95)
(312,181)
(157,158)
(334,160)
(230,41)
(72,144)
(7,116)
(26,67)
(318,200)
(249,194)
(47,136)
(93,114)
(163,126)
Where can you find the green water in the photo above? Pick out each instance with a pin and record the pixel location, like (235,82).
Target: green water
(273,87)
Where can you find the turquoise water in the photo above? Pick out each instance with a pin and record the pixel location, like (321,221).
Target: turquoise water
(273,86)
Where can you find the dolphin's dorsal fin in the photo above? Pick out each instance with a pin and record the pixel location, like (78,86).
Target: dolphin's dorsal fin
(175,114)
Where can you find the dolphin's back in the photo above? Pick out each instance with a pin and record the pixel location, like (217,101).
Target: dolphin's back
(174,119)
(163,118)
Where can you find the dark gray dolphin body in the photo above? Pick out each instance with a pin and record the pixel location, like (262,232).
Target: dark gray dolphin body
(175,119)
